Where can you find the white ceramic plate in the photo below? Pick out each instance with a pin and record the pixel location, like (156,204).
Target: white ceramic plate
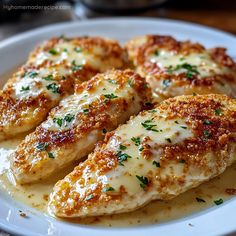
(13,51)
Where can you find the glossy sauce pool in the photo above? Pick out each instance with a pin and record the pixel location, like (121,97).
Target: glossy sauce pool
(36,195)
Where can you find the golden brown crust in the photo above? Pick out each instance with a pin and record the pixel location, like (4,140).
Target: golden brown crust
(212,121)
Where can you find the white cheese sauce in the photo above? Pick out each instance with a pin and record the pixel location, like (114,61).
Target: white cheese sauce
(36,196)
(80,103)
(203,62)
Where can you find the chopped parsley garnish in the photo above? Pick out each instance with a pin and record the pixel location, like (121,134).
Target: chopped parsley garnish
(206,134)
(156,53)
(148,104)
(218,111)
(50,155)
(107,189)
(168,140)
(89,197)
(207,122)
(149,126)
(176,122)
(182,161)
(144,181)
(141,149)
(104,131)
(31,74)
(190,69)
(69,117)
(112,81)
(49,77)
(53,87)
(110,96)
(86,111)
(184,127)
(42,146)
(59,121)
(157,164)
(182,59)
(53,51)
(166,82)
(219,201)
(130,82)
(122,147)
(78,49)
(25,88)
(200,199)
(136,141)
(122,157)
(75,66)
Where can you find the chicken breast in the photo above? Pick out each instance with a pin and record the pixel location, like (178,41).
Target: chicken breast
(72,129)
(174,68)
(158,154)
(49,75)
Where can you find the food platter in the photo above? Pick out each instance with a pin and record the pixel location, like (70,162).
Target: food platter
(14,51)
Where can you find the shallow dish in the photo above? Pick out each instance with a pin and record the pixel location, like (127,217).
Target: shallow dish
(13,51)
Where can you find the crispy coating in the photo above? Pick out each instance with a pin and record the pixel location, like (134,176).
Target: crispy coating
(159,154)
(72,128)
(181,67)
(49,75)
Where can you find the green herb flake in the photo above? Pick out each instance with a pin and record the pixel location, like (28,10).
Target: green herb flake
(176,122)
(182,161)
(89,197)
(78,49)
(191,70)
(53,87)
(31,74)
(207,122)
(136,141)
(149,126)
(157,164)
(69,118)
(76,67)
(122,147)
(156,53)
(183,127)
(141,149)
(166,83)
(86,111)
(200,199)
(50,155)
(108,189)
(110,96)
(122,157)
(59,121)
(26,88)
(112,81)
(130,82)
(49,77)
(168,140)
(219,201)
(218,111)
(42,146)
(144,181)
(206,134)
(53,51)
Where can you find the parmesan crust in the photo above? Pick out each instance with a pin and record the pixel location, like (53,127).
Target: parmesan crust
(174,68)
(49,75)
(158,154)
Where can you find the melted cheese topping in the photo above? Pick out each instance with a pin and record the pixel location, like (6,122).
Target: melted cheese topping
(164,132)
(72,54)
(80,103)
(205,65)
(36,82)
